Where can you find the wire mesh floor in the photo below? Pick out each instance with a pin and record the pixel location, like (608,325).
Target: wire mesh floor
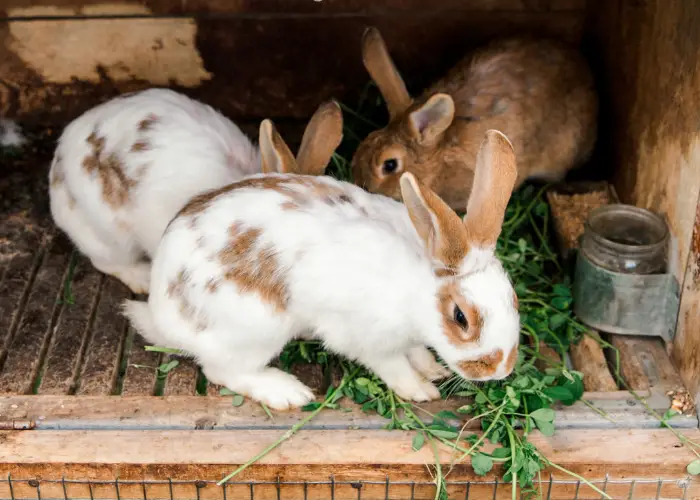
(331,489)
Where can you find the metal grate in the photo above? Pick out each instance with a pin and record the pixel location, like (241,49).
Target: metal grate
(331,489)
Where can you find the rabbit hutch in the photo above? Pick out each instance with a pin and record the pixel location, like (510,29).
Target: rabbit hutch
(88,411)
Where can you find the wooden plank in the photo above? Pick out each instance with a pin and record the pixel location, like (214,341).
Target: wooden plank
(141,366)
(615,410)
(16,284)
(278,8)
(588,357)
(310,455)
(101,367)
(27,350)
(315,58)
(686,345)
(63,360)
(631,368)
(180,412)
(182,381)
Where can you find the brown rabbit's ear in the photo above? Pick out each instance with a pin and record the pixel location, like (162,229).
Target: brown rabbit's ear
(275,155)
(494,179)
(381,68)
(432,119)
(321,138)
(435,222)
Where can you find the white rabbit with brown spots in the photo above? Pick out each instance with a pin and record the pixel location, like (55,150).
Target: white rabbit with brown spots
(244,269)
(123,169)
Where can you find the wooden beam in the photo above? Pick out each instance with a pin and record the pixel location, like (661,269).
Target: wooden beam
(251,60)
(651,71)
(686,345)
(616,409)
(345,456)
(277,8)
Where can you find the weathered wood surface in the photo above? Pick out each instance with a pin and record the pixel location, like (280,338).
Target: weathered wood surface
(619,410)
(651,70)
(250,59)
(588,357)
(370,455)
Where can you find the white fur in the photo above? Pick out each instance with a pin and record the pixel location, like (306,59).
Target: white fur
(11,134)
(358,278)
(192,148)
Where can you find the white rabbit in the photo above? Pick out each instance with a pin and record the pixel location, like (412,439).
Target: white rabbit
(243,270)
(123,169)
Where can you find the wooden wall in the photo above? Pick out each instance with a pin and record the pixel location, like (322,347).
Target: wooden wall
(250,58)
(650,68)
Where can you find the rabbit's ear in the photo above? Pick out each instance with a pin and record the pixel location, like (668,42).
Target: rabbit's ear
(381,68)
(440,228)
(430,121)
(321,138)
(275,155)
(494,179)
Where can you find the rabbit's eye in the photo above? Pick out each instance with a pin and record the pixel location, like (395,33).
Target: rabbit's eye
(389,166)
(460,318)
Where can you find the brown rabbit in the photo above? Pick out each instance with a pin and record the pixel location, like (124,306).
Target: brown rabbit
(539,93)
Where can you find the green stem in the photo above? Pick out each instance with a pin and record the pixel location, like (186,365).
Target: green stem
(512,457)
(574,475)
(438,468)
(295,428)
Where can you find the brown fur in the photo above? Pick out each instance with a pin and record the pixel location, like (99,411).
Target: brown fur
(319,190)
(147,123)
(436,223)
(177,289)
(322,136)
(140,146)
(253,268)
(493,183)
(485,366)
(212,285)
(115,184)
(512,359)
(539,93)
(58,176)
(448,296)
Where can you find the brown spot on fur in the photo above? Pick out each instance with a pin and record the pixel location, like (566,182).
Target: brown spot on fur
(140,146)
(516,304)
(254,268)
(58,176)
(141,171)
(290,186)
(177,289)
(212,285)
(115,184)
(147,122)
(448,297)
(71,201)
(512,359)
(483,367)
(289,205)
(445,272)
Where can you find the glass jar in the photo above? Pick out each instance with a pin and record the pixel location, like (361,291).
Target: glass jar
(626,239)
